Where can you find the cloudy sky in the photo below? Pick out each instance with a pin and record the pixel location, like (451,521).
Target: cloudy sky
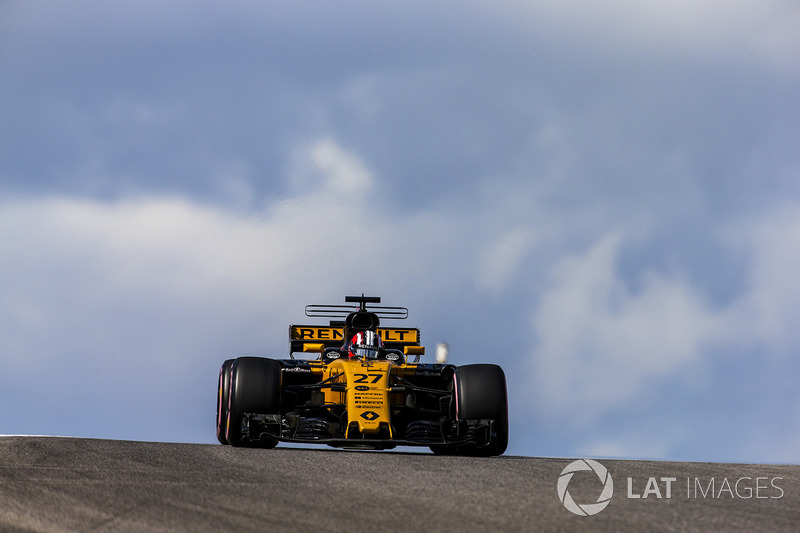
(604,198)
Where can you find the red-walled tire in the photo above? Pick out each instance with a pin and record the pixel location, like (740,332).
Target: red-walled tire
(223,390)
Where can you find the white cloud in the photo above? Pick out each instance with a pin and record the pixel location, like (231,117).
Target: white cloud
(606,342)
(601,343)
(345,173)
(769,310)
(501,260)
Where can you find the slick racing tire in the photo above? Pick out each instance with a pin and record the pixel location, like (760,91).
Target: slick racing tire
(255,387)
(223,390)
(481,395)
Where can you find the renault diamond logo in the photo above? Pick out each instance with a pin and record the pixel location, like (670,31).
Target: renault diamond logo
(369,415)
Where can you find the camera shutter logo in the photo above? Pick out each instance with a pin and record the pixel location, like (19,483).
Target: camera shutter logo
(586,509)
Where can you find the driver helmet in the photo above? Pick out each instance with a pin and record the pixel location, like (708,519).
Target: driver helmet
(365,344)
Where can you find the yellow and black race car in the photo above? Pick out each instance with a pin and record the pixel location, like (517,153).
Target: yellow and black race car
(361,391)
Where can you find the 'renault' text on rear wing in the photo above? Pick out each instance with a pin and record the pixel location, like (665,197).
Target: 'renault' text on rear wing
(309,338)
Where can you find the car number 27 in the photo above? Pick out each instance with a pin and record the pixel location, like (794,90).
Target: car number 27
(364,378)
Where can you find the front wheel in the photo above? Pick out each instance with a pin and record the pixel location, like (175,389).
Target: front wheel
(255,387)
(481,395)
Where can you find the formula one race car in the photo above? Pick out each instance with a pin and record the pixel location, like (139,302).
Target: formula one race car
(361,392)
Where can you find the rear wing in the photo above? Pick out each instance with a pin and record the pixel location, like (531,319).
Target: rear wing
(319,338)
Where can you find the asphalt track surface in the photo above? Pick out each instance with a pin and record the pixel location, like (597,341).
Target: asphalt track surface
(68,484)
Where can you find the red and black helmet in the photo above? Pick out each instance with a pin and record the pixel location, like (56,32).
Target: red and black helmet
(365,344)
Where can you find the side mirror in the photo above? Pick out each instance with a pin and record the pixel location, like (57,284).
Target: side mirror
(442,350)
(313,347)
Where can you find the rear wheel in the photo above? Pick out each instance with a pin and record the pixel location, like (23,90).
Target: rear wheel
(481,395)
(255,387)
(223,390)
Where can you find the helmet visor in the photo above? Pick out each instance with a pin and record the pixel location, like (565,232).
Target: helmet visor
(367,352)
